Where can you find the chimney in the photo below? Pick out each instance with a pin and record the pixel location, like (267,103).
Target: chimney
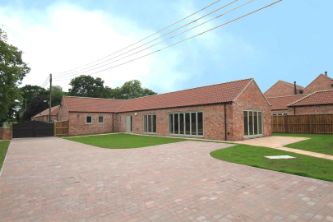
(295,88)
(326,73)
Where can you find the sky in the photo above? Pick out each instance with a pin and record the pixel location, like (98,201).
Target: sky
(289,41)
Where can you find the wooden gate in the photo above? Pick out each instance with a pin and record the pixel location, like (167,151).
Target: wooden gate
(61,128)
(33,129)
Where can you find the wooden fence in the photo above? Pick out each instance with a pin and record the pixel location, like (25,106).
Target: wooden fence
(61,128)
(314,124)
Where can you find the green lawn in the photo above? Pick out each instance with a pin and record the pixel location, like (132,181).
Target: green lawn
(3,150)
(123,141)
(255,156)
(316,143)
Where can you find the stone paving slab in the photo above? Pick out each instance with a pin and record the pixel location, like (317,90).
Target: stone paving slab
(279,143)
(272,141)
(52,179)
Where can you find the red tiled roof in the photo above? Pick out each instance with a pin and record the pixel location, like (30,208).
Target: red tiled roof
(324,97)
(220,93)
(292,84)
(282,102)
(275,90)
(87,104)
(54,112)
(322,82)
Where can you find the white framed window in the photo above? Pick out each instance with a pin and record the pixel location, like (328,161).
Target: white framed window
(186,123)
(100,119)
(88,119)
(149,122)
(253,123)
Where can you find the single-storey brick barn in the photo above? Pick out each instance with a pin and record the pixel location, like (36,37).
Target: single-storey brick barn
(228,111)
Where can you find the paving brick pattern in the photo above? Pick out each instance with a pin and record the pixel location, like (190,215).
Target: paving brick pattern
(53,179)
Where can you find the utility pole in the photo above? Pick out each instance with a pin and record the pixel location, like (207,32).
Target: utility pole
(50,99)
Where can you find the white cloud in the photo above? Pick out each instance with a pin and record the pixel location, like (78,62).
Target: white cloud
(68,36)
(65,36)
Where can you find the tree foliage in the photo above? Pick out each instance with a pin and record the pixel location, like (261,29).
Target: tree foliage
(57,94)
(35,99)
(88,86)
(12,72)
(132,89)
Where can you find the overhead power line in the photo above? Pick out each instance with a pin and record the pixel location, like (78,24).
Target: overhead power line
(138,49)
(191,37)
(147,37)
(130,49)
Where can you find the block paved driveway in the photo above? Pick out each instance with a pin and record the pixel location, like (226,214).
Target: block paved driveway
(52,179)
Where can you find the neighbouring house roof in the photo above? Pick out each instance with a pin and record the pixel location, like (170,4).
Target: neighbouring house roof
(324,97)
(322,82)
(282,102)
(213,94)
(87,104)
(54,112)
(282,88)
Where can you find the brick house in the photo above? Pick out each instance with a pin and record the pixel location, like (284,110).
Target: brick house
(228,111)
(44,115)
(319,102)
(281,95)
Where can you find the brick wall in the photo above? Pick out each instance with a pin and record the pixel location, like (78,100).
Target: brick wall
(5,133)
(305,110)
(78,125)
(280,112)
(63,113)
(251,99)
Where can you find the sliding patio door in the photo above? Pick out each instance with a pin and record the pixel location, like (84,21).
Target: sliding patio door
(253,123)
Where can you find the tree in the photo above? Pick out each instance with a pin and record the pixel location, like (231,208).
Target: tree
(29,92)
(132,89)
(12,72)
(36,105)
(87,86)
(34,100)
(57,95)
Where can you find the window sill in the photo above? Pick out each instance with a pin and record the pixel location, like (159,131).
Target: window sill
(150,133)
(189,136)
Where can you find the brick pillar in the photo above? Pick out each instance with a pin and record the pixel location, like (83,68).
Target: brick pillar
(5,133)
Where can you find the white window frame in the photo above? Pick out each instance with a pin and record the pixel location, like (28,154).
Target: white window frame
(91,118)
(184,122)
(151,117)
(248,123)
